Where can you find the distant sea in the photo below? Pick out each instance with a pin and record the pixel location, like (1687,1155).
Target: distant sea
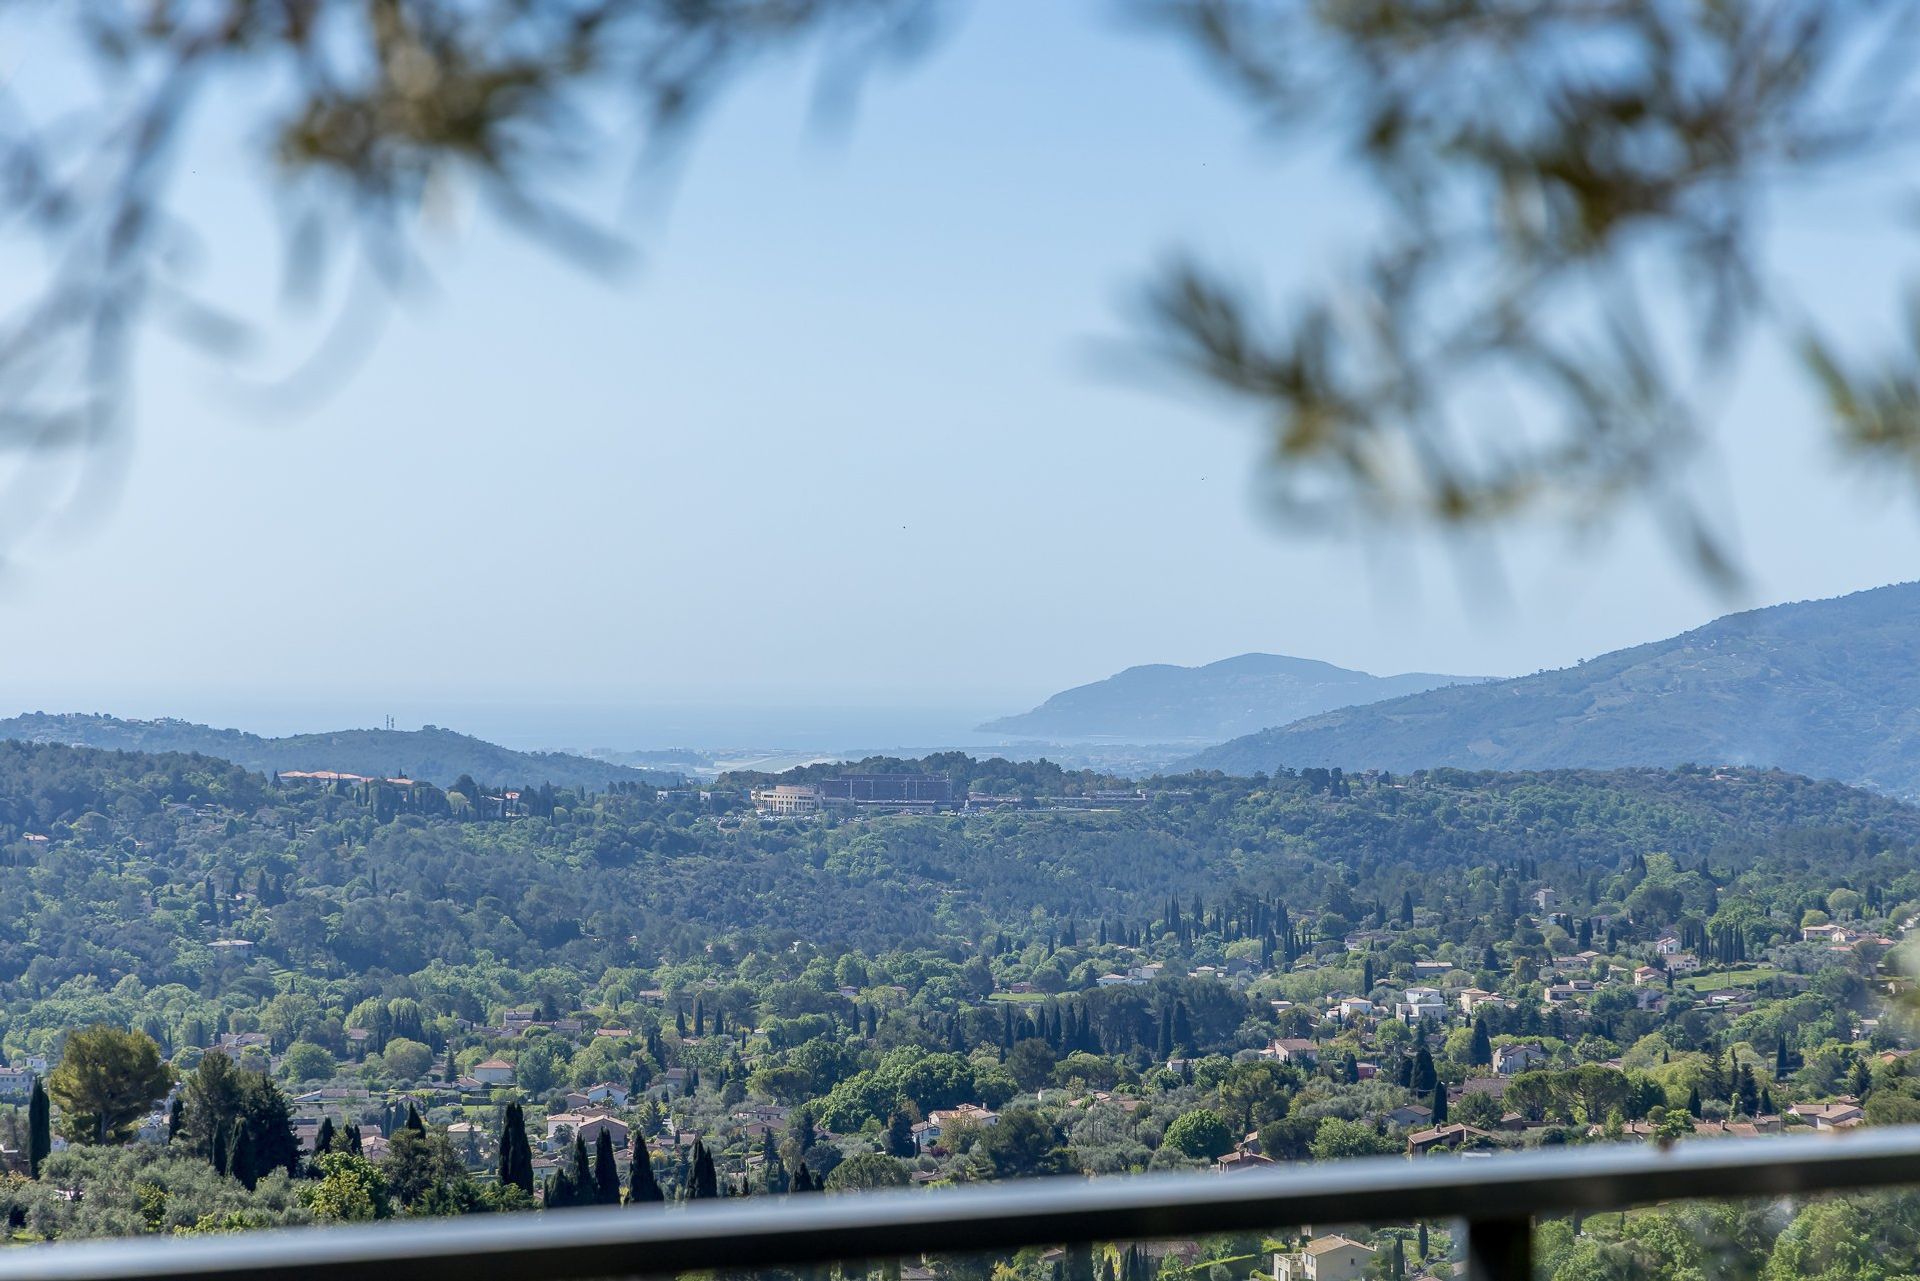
(721,736)
(576,726)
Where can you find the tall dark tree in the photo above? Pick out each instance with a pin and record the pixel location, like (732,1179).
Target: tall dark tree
(900,1134)
(1439,1102)
(222,1105)
(642,1187)
(702,1182)
(240,1156)
(503,1164)
(1423,1072)
(516,1154)
(1480,1049)
(580,1175)
(39,1128)
(606,1170)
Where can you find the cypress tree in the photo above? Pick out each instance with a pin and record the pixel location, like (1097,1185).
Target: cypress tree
(39,1128)
(413,1121)
(1439,1103)
(606,1171)
(900,1135)
(521,1174)
(176,1116)
(509,1122)
(702,1182)
(323,1138)
(240,1163)
(642,1187)
(774,1173)
(580,1175)
(1424,1075)
(1480,1051)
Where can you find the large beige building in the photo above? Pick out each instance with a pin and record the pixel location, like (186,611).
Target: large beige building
(1330,1258)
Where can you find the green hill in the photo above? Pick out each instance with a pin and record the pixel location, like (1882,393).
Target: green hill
(437,755)
(1160,702)
(1828,688)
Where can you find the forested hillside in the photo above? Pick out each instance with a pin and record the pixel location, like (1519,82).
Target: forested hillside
(1160,702)
(1827,688)
(383,999)
(119,864)
(437,755)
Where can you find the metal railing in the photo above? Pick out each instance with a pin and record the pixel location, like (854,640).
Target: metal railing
(1498,1197)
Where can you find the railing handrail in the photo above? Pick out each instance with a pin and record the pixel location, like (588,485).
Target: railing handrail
(1497,1191)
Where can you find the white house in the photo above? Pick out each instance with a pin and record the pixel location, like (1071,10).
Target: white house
(927,1133)
(1420,1003)
(1509,1060)
(16,1084)
(606,1092)
(1354,1007)
(494,1072)
(1829,1116)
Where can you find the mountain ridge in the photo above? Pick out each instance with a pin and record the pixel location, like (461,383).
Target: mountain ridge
(431,753)
(1828,688)
(1162,702)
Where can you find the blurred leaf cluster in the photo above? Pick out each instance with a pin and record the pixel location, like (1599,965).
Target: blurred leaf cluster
(1568,256)
(1563,263)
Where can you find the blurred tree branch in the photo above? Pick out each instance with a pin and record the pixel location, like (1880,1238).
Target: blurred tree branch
(1570,191)
(1566,255)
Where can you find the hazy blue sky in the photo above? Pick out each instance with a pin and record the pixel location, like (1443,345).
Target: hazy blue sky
(844,438)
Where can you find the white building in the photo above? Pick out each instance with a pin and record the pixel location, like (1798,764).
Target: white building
(1420,1003)
(494,1072)
(16,1084)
